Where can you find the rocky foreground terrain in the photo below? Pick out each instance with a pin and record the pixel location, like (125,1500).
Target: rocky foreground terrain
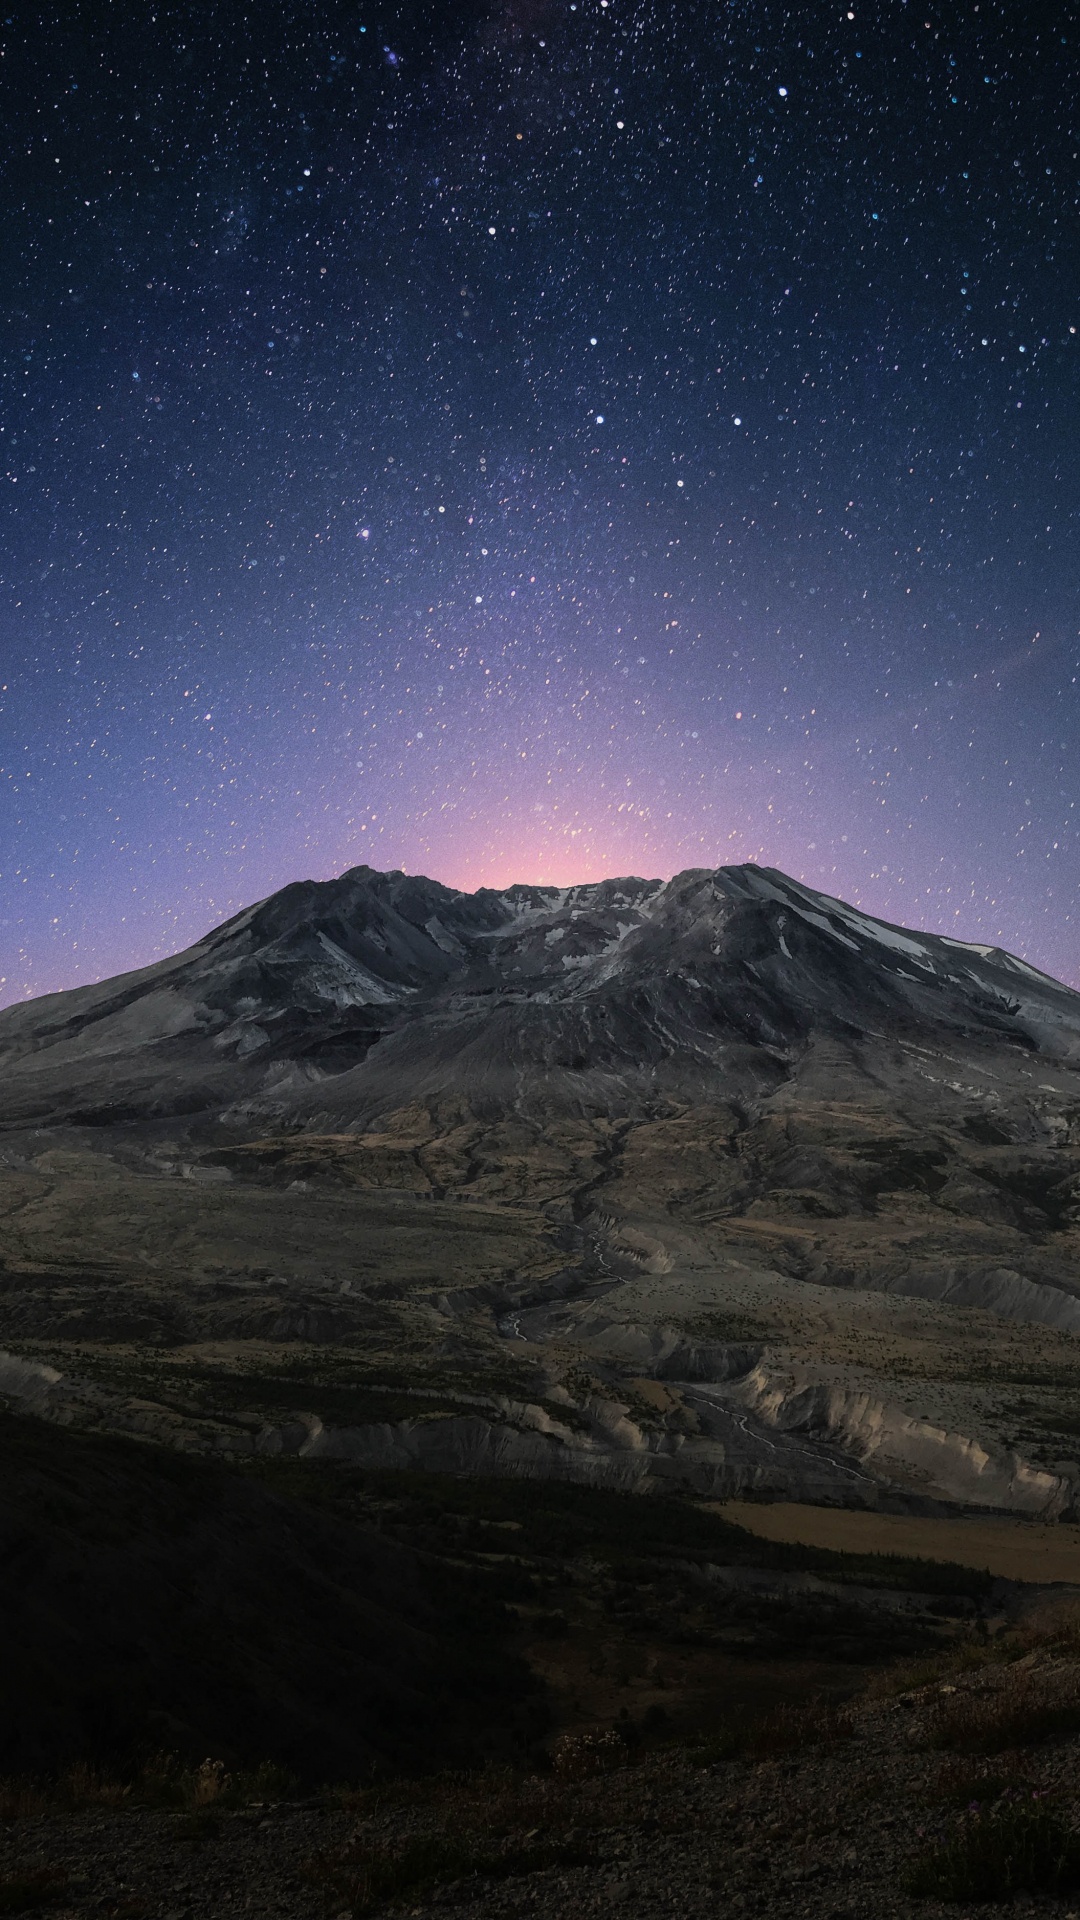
(949,1789)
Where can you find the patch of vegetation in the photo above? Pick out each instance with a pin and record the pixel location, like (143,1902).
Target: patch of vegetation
(494,1823)
(970,1654)
(341,1403)
(166,1781)
(769,1736)
(25,1892)
(580,1756)
(342,1389)
(421,1374)
(1027,1710)
(1057,1634)
(962,1783)
(732,1326)
(1009,1373)
(162,1781)
(1055,1423)
(818,1626)
(1016,1844)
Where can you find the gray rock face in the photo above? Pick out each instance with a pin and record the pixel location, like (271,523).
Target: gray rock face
(334,1001)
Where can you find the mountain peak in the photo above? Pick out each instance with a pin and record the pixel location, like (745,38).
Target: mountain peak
(343,995)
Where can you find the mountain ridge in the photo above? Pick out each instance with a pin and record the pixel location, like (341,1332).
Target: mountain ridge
(324,974)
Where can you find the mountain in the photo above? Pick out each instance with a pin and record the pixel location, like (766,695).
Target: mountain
(713,1182)
(342,999)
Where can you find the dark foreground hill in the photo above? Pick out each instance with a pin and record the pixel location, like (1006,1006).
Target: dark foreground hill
(952,1790)
(150,1603)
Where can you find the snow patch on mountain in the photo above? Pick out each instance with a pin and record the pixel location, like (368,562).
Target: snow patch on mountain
(344,982)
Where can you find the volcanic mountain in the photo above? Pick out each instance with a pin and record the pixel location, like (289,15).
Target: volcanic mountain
(343,999)
(712,1181)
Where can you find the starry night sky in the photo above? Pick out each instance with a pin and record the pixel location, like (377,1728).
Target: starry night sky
(522,440)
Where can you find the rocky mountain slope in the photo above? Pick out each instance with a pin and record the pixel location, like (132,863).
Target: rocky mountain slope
(339,1000)
(713,1182)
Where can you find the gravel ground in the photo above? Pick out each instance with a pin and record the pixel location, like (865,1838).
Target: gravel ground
(826,1833)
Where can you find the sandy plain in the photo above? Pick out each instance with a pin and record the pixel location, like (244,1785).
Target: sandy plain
(1021,1550)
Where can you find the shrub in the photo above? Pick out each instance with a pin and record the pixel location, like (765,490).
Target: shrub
(716,1747)
(25,1891)
(80,1786)
(20,1799)
(163,1781)
(911,1676)
(793,1729)
(166,1781)
(964,1782)
(1026,1710)
(578,1756)
(1016,1844)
